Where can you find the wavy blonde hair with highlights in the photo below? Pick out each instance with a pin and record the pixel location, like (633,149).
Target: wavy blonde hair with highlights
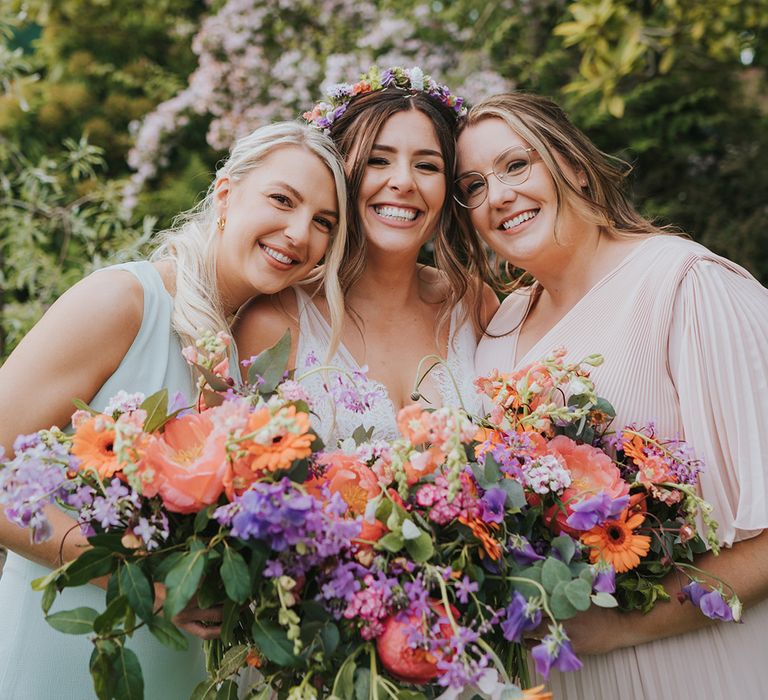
(191,242)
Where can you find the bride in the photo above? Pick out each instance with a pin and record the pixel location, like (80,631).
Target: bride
(396,132)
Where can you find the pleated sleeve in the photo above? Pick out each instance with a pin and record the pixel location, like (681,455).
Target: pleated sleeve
(718,359)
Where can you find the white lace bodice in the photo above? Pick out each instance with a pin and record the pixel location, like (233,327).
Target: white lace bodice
(314,338)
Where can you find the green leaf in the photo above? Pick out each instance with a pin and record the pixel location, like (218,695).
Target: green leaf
(361,435)
(130,681)
(49,595)
(561,607)
(233,660)
(604,600)
(182,582)
(136,587)
(156,407)
(411,695)
(39,584)
(565,546)
(553,572)
(578,592)
(344,683)
(420,549)
(234,574)
(227,691)
(167,633)
(362,684)
(214,381)
(392,542)
(205,690)
(271,364)
(115,611)
(91,564)
(80,404)
(231,615)
(77,621)
(329,634)
(102,674)
(202,519)
(273,643)
(515,494)
(491,470)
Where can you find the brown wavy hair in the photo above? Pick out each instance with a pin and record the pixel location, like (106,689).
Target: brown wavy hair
(354,134)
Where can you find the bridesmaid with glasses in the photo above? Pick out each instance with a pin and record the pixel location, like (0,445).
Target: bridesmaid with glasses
(683,332)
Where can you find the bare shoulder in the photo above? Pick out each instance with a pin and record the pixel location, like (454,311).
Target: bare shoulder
(263,320)
(71,352)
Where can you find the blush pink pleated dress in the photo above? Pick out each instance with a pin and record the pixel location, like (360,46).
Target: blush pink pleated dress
(684,334)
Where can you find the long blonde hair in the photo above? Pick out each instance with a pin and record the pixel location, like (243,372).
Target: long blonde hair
(546,127)
(191,242)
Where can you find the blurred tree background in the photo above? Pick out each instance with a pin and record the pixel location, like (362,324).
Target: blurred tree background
(113,114)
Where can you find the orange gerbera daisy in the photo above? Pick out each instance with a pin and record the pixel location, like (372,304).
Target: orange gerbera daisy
(482,531)
(279,440)
(93,445)
(616,542)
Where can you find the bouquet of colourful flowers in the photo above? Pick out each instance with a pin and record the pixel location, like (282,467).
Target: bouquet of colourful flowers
(410,568)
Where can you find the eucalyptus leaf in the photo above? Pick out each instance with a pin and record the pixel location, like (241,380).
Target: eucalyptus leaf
(329,634)
(553,571)
(604,600)
(578,593)
(214,381)
(561,606)
(491,470)
(409,530)
(420,549)
(565,546)
(392,542)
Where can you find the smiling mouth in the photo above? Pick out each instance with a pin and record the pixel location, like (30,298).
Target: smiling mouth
(277,255)
(399,214)
(519,219)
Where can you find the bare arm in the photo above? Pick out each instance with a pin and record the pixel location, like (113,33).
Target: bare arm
(69,354)
(744,566)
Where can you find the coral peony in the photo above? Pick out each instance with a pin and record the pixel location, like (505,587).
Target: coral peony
(187,464)
(356,483)
(592,472)
(405,663)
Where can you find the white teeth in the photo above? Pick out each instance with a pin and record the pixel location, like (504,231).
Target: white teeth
(396,213)
(277,255)
(519,219)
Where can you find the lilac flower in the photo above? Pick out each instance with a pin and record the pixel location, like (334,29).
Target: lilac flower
(179,402)
(492,505)
(123,402)
(463,589)
(521,616)
(273,569)
(310,359)
(555,650)
(710,602)
(595,510)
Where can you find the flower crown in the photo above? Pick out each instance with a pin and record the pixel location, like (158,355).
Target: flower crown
(324,114)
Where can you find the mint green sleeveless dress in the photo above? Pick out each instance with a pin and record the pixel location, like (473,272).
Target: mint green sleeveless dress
(36,661)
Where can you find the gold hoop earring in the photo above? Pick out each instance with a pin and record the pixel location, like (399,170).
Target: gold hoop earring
(220,222)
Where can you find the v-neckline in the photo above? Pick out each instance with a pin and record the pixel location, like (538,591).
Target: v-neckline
(518,361)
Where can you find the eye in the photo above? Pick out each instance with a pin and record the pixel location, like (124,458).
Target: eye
(281,199)
(429,167)
(326,224)
(471,186)
(377,161)
(516,165)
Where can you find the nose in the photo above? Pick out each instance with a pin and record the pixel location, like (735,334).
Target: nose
(499,193)
(401,177)
(298,229)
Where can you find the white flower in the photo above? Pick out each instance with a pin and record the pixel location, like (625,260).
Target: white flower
(417,78)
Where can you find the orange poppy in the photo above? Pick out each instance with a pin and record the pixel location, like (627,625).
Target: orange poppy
(93,445)
(537,693)
(482,531)
(615,542)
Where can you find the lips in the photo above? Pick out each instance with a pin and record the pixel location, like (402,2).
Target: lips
(518,218)
(278,255)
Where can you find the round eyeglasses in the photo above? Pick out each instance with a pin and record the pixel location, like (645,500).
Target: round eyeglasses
(512,167)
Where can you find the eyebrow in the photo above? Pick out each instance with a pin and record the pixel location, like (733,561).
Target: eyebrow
(420,152)
(298,195)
